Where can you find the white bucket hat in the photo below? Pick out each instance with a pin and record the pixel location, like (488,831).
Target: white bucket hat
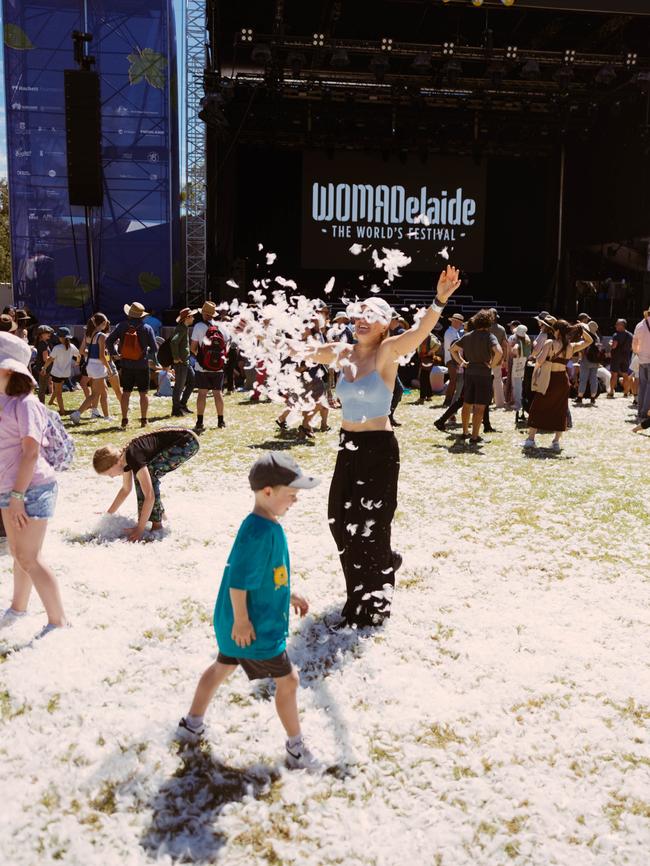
(15,355)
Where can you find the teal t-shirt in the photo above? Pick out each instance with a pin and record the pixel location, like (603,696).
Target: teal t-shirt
(258,563)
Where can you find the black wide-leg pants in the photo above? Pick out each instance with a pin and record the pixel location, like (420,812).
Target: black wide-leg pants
(362,502)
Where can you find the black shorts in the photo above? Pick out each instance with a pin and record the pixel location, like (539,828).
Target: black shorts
(261,669)
(134,379)
(620,365)
(208,381)
(59,378)
(478,388)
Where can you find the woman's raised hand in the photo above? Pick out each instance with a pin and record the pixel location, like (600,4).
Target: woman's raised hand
(448,283)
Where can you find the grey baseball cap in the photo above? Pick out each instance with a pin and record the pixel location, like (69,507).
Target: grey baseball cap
(275,468)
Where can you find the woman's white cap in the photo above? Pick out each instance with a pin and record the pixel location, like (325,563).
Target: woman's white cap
(15,354)
(379,309)
(521,330)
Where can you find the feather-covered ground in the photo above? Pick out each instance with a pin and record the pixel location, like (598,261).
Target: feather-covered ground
(503,715)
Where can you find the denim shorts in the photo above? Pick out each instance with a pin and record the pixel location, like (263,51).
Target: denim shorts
(39,501)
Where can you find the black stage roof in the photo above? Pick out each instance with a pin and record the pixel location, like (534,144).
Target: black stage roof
(426,75)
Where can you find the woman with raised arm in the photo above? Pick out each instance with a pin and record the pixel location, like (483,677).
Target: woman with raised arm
(363,493)
(550,406)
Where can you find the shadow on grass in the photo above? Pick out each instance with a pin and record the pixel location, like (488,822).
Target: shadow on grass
(187,805)
(545,454)
(459,445)
(95,431)
(282,444)
(318,651)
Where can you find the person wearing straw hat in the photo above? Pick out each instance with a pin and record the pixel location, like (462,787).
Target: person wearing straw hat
(23,320)
(589,363)
(28,486)
(210,342)
(137,343)
(549,409)
(183,372)
(453,333)
(546,324)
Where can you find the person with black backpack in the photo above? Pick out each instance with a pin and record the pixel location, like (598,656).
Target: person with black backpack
(589,364)
(210,342)
(137,345)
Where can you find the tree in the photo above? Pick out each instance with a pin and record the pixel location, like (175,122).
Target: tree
(5,247)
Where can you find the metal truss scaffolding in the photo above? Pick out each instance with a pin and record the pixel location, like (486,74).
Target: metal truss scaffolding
(196,186)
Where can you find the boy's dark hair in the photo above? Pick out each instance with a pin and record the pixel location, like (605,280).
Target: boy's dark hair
(19,385)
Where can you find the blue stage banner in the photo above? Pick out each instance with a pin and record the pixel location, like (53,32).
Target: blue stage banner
(136,236)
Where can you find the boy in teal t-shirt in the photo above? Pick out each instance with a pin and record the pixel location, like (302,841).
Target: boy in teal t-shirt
(251,614)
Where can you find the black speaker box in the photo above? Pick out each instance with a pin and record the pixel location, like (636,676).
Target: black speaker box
(83,127)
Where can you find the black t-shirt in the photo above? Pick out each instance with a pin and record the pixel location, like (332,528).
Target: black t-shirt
(42,347)
(477,349)
(142,450)
(623,348)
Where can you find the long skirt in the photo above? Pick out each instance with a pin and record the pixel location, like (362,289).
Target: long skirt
(362,502)
(549,411)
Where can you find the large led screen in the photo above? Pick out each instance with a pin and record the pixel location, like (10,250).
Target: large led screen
(429,210)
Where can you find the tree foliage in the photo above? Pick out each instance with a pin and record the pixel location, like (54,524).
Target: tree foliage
(5,248)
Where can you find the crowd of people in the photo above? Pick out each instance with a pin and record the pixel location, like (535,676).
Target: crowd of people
(359,361)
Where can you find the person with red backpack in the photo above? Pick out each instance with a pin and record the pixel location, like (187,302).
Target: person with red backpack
(136,340)
(210,343)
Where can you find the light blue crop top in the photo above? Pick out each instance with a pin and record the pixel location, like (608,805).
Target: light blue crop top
(367,397)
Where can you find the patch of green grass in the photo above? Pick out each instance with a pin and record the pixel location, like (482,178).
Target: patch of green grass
(639,714)
(412,580)
(463,773)
(7,710)
(512,849)
(439,736)
(618,806)
(105,801)
(54,703)
(51,798)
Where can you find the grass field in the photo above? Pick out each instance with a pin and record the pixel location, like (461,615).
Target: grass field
(501,717)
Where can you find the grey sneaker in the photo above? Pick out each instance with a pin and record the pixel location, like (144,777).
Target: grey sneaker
(299,757)
(50,627)
(187,734)
(11,617)
(556,447)
(530,444)
(75,417)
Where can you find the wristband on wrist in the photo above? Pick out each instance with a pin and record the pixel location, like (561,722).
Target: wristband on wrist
(436,306)
(17,494)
